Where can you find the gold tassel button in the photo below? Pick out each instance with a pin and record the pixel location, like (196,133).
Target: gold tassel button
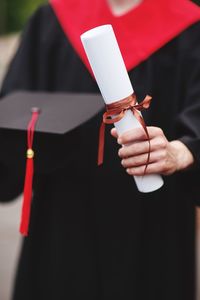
(30,153)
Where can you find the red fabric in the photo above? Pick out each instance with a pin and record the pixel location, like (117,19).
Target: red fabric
(26,206)
(140,32)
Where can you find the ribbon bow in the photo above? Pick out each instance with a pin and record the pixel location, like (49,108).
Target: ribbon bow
(115,112)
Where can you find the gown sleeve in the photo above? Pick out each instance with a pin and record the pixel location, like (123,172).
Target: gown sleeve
(30,71)
(188,121)
(21,75)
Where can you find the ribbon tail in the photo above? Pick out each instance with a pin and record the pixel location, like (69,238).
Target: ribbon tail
(145,103)
(26,206)
(141,120)
(101,144)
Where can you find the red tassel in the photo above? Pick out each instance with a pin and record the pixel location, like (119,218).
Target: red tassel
(27,197)
(26,207)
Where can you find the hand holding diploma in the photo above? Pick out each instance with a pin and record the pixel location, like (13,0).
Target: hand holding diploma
(165,157)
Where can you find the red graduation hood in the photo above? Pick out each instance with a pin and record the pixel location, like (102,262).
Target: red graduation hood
(140,32)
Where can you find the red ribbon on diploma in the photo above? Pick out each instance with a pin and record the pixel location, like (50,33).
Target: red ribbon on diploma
(115,112)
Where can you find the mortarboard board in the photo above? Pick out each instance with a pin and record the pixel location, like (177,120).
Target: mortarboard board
(51,115)
(60,112)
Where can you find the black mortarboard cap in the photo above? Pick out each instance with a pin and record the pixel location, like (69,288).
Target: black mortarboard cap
(59,112)
(47,115)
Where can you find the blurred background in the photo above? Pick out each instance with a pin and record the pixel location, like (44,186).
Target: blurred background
(13,17)
(14,14)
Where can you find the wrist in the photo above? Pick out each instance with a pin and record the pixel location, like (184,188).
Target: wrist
(183,156)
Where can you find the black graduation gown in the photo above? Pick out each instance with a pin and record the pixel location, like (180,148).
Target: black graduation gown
(92,234)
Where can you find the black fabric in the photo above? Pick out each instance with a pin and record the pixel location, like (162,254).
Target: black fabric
(92,234)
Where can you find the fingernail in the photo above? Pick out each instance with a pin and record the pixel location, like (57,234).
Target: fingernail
(119,141)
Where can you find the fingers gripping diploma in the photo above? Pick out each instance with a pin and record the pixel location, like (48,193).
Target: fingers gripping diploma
(165,157)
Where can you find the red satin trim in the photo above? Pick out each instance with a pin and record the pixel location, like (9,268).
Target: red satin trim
(115,112)
(139,33)
(26,206)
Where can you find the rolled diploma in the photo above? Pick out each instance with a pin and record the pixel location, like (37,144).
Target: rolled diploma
(107,64)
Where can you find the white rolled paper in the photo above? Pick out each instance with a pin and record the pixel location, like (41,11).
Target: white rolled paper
(107,64)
